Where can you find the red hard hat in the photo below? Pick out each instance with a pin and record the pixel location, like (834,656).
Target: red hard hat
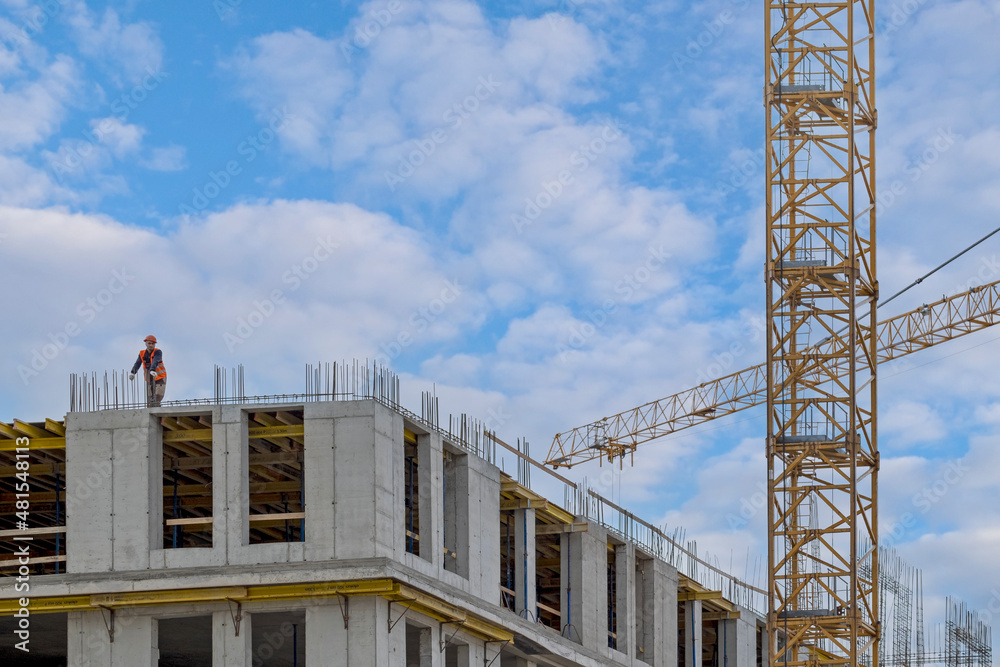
(150,337)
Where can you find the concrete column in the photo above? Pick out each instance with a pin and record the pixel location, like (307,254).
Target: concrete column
(625,604)
(136,493)
(430,473)
(87,641)
(326,636)
(692,633)
(457,499)
(320,487)
(354,480)
(484,529)
(430,654)
(369,642)
(588,572)
(470,655)
(136,642)
(233,478)
(738,641)
(388,468)
(228,650)
(89,499)
(658,613)
(524,564)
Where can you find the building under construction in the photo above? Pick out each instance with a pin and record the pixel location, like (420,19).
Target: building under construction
(337,528)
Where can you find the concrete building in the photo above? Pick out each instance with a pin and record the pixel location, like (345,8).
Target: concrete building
(336,533)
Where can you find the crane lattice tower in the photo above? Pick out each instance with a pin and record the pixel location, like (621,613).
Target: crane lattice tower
(821,289)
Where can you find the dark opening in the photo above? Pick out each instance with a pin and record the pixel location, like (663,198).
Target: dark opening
(411,495)
(276,480)
(507,562)
(187,481)
(279,639)
(548,578)
(185,641)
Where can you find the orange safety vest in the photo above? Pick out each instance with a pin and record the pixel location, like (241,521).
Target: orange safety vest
(147,357)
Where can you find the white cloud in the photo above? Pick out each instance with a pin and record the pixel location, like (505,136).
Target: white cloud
(169,158)
(31,111)
(348,279)
(121,138)
(131,50)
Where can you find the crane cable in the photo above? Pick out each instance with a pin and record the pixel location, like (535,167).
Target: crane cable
(937,268)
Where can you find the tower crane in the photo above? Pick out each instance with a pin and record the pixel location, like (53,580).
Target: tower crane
(619,435)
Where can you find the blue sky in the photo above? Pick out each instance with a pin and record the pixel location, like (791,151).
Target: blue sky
(549,211)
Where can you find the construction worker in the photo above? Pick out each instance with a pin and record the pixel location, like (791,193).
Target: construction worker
(151,360)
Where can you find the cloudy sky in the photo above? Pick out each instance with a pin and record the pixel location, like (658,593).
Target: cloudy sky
(546,211)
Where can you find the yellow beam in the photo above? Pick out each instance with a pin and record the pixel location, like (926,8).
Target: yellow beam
(53,426)
(34,443)
(557,528)
(168,597)
(205,434)
(30,430)
(387,588)
(323,589)
(524,504)
(687,596)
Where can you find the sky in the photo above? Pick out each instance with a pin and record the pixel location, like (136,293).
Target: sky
(545,212)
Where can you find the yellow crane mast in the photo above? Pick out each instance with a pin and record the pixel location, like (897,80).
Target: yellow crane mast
(822,456)
(619,435)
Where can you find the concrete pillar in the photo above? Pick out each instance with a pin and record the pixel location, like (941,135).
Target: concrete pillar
(369,642)
(692,633)
(136,493)
(354,480)
(234,480)
(136,640)
(89,644)
(367,477)
(524,564)
(429,649)
(738,641)
(625,602)
(430,472)
(484,529)
(326,636)
(89,497)
(228,650)
(87,641)
(320,486)
(455,523)
(588,576)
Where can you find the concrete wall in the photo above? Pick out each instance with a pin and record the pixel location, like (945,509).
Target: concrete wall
(354,503)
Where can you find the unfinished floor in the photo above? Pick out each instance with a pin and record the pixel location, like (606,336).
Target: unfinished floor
(337,533)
